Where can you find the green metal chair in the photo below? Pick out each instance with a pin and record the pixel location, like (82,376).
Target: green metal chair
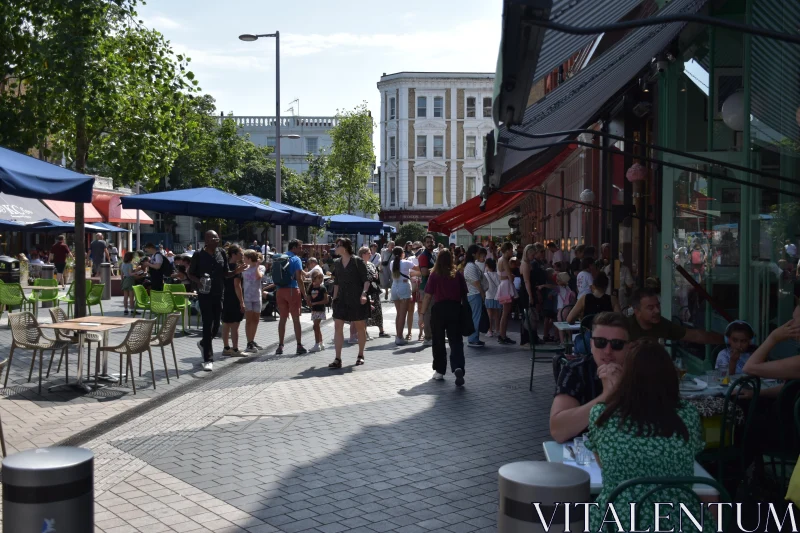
(181,302)
(11,295)
(549,349)
(142,299)
(729,457)
(659,484)
(161,305)
(69,297)
(43,296)
(95,297)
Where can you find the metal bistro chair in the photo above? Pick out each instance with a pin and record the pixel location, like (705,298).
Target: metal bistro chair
(166,337)
(730,453)
(549,349)
(161,305)
(43,296)
(95,297)
(142,299)
(11,295)
(25,334)
(660,484)
(58,315)
(137,341)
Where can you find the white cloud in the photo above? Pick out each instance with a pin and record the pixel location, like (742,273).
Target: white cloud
(225,59)
(160,22)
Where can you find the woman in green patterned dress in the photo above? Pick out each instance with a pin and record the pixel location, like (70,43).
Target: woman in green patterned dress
(645,430)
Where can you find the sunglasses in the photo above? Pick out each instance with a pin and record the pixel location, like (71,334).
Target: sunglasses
(616,344)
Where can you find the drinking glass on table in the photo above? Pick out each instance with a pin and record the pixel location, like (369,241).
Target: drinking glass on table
(681,367)
(581,452)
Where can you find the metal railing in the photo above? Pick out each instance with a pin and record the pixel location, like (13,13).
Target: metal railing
(286,122)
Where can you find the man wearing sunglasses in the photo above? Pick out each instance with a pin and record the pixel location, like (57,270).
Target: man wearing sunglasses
(585,382)
(647,322)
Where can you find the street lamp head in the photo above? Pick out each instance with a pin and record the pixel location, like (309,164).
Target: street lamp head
(291,136)
(248,37)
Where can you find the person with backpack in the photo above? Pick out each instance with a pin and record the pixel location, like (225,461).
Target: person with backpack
(160,267)
(287,274)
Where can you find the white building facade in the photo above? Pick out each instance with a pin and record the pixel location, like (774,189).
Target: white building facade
(432,131)
(313,132)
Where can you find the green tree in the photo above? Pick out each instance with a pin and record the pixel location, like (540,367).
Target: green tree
(411,232)
(352,160)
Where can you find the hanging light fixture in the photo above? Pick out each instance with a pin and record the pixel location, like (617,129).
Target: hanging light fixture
(636,173)
(733,114)
(587,197)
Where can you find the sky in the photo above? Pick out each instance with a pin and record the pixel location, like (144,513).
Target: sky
(333,52)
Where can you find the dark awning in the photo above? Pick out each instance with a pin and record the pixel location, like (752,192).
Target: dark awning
(23,210)
(22,175)
(576,103)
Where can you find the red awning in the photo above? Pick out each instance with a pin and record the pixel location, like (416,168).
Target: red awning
(469,215)
(110,206)
(66,211)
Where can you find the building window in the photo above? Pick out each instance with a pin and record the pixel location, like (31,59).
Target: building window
(422,106)
(392,108)
(470,187)
(392,148)
(422,146)
(485,142)
(392,191)
(438,190)
(487,107)
(471,146)
(422,190)
(471,107)
(271,141)
(438,107)
(312,145)
(438,146)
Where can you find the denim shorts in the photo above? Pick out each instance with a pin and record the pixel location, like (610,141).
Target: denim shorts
(252,307)
(493,304)
(401,290)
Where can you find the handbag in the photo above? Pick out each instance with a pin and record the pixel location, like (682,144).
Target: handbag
(467,326)
(483,326)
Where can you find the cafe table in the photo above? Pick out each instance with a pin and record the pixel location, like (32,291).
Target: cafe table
(570,329)
(555,453)
(82,326)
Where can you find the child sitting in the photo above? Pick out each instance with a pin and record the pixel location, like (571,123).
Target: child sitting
(739,346)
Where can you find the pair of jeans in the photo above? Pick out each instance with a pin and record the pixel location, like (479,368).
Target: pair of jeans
(210,311)
(476,304)
(446,320)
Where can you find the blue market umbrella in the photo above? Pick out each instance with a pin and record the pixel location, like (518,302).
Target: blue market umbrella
(298,216)
(25,176)
(389,229)
(354,224)
(10,225)
(108,228)
(205,202)
(57,226)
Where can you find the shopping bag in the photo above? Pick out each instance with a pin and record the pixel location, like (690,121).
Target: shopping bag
(467,326)
(484,324)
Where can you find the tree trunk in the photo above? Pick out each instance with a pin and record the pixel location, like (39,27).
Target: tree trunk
(81,154)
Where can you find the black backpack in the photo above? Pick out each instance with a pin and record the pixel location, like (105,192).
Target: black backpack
(167,268)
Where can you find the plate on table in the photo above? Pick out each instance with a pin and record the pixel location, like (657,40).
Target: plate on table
(693,385)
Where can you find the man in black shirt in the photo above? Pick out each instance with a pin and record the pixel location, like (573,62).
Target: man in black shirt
(213,262)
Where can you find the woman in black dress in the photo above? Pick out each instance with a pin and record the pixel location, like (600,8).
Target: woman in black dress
(595,302)
(350,302)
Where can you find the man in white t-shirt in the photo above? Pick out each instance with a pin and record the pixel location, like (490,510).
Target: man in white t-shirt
(313,266)
(557,255)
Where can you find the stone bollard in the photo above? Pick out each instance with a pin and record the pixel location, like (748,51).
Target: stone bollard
(105,277)
(527,482)
(48,272)
(49,490)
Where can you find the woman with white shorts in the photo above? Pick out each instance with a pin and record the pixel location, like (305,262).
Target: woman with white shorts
(401,291)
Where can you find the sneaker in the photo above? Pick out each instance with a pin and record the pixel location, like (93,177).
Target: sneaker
(227,351)
(384,335)
(207,366)
(314,348)
(507,340)
(279,351)
(400,341)
(256,345)
(437,376)
(125,312)
(236,353)
(490,334)
(321,346)
(459,372)
(476,344)
(250,347)
(301,350)
(427,342)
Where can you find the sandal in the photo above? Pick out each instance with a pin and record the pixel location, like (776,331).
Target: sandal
(408,337)
(359,360)
(421,336)
(337,363)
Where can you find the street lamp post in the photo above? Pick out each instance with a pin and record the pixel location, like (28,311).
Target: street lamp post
(250,38)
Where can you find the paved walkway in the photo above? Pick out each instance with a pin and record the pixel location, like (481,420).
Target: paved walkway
(281,443)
